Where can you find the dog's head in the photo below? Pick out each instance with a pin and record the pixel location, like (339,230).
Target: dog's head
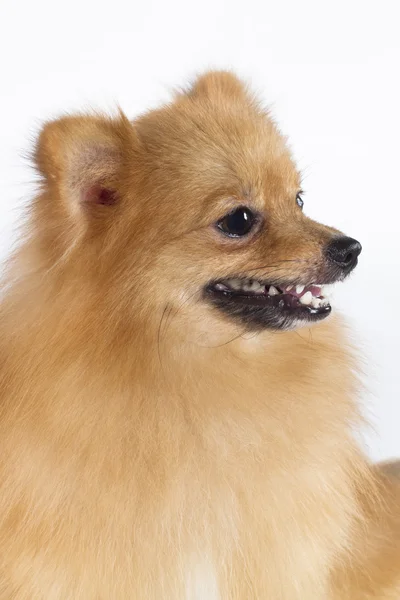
(197,205)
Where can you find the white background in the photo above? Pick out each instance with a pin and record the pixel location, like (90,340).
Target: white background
(330,70)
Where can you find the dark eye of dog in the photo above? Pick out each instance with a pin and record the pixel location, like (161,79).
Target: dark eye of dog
(237,223)
(299,200)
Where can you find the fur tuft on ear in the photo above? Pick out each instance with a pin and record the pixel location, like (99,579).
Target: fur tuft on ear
(81,156)
(219,85)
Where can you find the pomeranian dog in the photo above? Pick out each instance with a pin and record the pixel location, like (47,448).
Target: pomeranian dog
(172,428)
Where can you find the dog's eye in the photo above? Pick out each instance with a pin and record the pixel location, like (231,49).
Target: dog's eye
(237,223)
(299,200)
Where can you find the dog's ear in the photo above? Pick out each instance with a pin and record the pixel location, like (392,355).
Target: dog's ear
(81,157)
(219,85)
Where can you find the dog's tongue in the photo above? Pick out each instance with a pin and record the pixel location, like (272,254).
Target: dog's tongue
(300,290)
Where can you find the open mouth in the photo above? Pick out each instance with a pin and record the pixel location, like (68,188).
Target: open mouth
(259,304)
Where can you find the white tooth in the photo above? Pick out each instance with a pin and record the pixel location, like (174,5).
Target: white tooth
(306,299)
(250,285)
(299,289)
(273,291)
(221,287)
(316,302)
(324,302)
(235,284)
(289,287)
(257,287)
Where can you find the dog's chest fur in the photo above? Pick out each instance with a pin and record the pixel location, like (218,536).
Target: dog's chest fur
(215,495)
(224,531)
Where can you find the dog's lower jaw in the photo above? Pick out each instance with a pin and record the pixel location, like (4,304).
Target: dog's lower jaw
(263,308)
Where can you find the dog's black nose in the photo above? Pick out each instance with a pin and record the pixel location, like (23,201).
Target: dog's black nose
(344,252)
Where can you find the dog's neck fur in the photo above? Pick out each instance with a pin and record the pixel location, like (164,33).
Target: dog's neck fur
(191,439)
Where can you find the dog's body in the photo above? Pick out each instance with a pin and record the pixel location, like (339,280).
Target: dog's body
(151,446)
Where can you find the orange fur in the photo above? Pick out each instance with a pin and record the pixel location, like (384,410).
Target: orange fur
(149,447)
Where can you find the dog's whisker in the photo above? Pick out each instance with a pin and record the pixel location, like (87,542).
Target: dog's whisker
(228,342)
(277,265)
(159,332)
(167,316)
